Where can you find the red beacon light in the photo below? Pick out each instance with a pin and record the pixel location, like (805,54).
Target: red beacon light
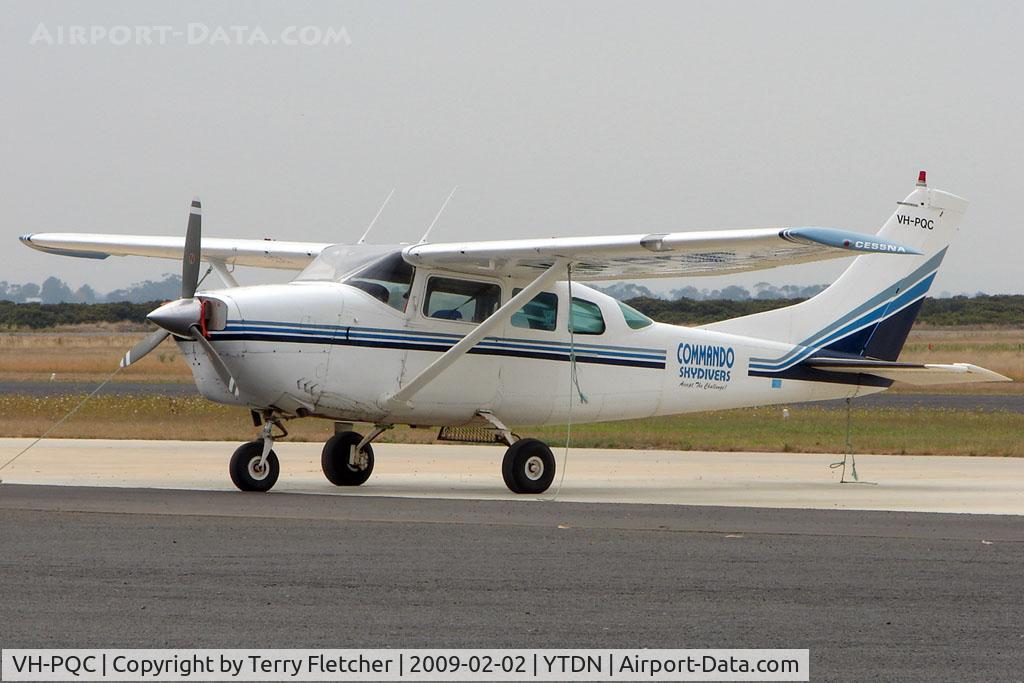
(922,179)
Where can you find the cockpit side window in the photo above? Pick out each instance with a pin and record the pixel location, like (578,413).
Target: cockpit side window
(388,280)
(540,314)
(585,317)
(466,300)
(634,318)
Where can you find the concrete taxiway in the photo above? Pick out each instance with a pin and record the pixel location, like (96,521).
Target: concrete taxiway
(775,480)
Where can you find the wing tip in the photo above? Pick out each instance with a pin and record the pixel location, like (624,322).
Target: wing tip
(846,240)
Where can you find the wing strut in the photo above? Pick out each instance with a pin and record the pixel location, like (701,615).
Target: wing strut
(221,268)
(429,373)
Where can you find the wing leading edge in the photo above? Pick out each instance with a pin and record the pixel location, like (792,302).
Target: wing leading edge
(711,252)
(258,253)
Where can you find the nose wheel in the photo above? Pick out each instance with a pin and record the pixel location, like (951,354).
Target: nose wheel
(528,467)
(250,471)
(254,465)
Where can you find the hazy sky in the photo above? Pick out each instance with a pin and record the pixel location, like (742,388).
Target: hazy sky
(553,118)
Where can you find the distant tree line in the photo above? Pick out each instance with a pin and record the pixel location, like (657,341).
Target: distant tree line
(56,291)
(38,316)
(958,311)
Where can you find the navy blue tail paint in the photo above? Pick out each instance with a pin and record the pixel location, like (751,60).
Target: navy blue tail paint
(884,340)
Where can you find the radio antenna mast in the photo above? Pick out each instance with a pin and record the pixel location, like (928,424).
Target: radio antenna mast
(439,212)
(374,221)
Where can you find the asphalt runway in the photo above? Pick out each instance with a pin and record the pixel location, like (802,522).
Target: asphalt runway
(872,595)
(1013,403)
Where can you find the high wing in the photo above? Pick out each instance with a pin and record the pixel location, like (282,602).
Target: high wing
(709,252)
(259,253)
(713,252)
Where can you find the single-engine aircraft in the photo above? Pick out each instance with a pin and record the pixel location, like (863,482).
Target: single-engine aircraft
(470,337)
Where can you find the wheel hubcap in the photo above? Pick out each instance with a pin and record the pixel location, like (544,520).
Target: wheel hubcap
(534,468)
(257,471)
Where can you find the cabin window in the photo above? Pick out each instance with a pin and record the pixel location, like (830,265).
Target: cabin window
(388,280)
(634,318)
(586,318)
(540,314)
(451,299)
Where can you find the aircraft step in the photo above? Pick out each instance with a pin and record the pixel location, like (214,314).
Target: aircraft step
(470,434)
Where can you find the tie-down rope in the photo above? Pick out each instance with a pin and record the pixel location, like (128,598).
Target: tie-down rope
(574,384)
(61,421)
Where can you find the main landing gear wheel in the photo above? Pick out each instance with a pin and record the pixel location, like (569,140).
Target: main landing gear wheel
(528,466)
(340,468)
(246,471)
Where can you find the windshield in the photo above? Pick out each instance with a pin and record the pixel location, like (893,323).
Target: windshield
(378,270)
(340,260)
(388,280)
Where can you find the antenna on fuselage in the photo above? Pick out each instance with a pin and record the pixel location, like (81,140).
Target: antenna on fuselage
(374,221)
(439,212)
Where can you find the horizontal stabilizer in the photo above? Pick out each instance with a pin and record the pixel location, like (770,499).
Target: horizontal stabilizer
(911,373)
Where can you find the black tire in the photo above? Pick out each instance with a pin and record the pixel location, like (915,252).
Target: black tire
(528,467)
(243,465)
(334,460)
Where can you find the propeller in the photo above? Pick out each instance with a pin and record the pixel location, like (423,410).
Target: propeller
(185,317)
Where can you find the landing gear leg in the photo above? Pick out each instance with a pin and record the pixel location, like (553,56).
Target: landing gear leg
(254,465)
(529,465)
(347,458)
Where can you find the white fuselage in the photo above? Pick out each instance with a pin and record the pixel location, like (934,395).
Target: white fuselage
(332,350)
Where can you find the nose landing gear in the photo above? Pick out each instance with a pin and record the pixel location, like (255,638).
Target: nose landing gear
(254,465)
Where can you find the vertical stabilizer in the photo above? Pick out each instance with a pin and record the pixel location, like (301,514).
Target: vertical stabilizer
(870,309)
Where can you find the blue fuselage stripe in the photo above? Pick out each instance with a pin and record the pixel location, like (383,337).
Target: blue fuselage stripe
(266,331)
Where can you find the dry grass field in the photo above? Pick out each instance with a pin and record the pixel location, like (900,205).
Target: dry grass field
(1001,350)
(85,356)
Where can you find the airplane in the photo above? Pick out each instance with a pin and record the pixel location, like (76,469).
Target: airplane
(471,337)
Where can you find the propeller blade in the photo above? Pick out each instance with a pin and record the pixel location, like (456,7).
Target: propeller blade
(193,245)
(137,352)
(215,359)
